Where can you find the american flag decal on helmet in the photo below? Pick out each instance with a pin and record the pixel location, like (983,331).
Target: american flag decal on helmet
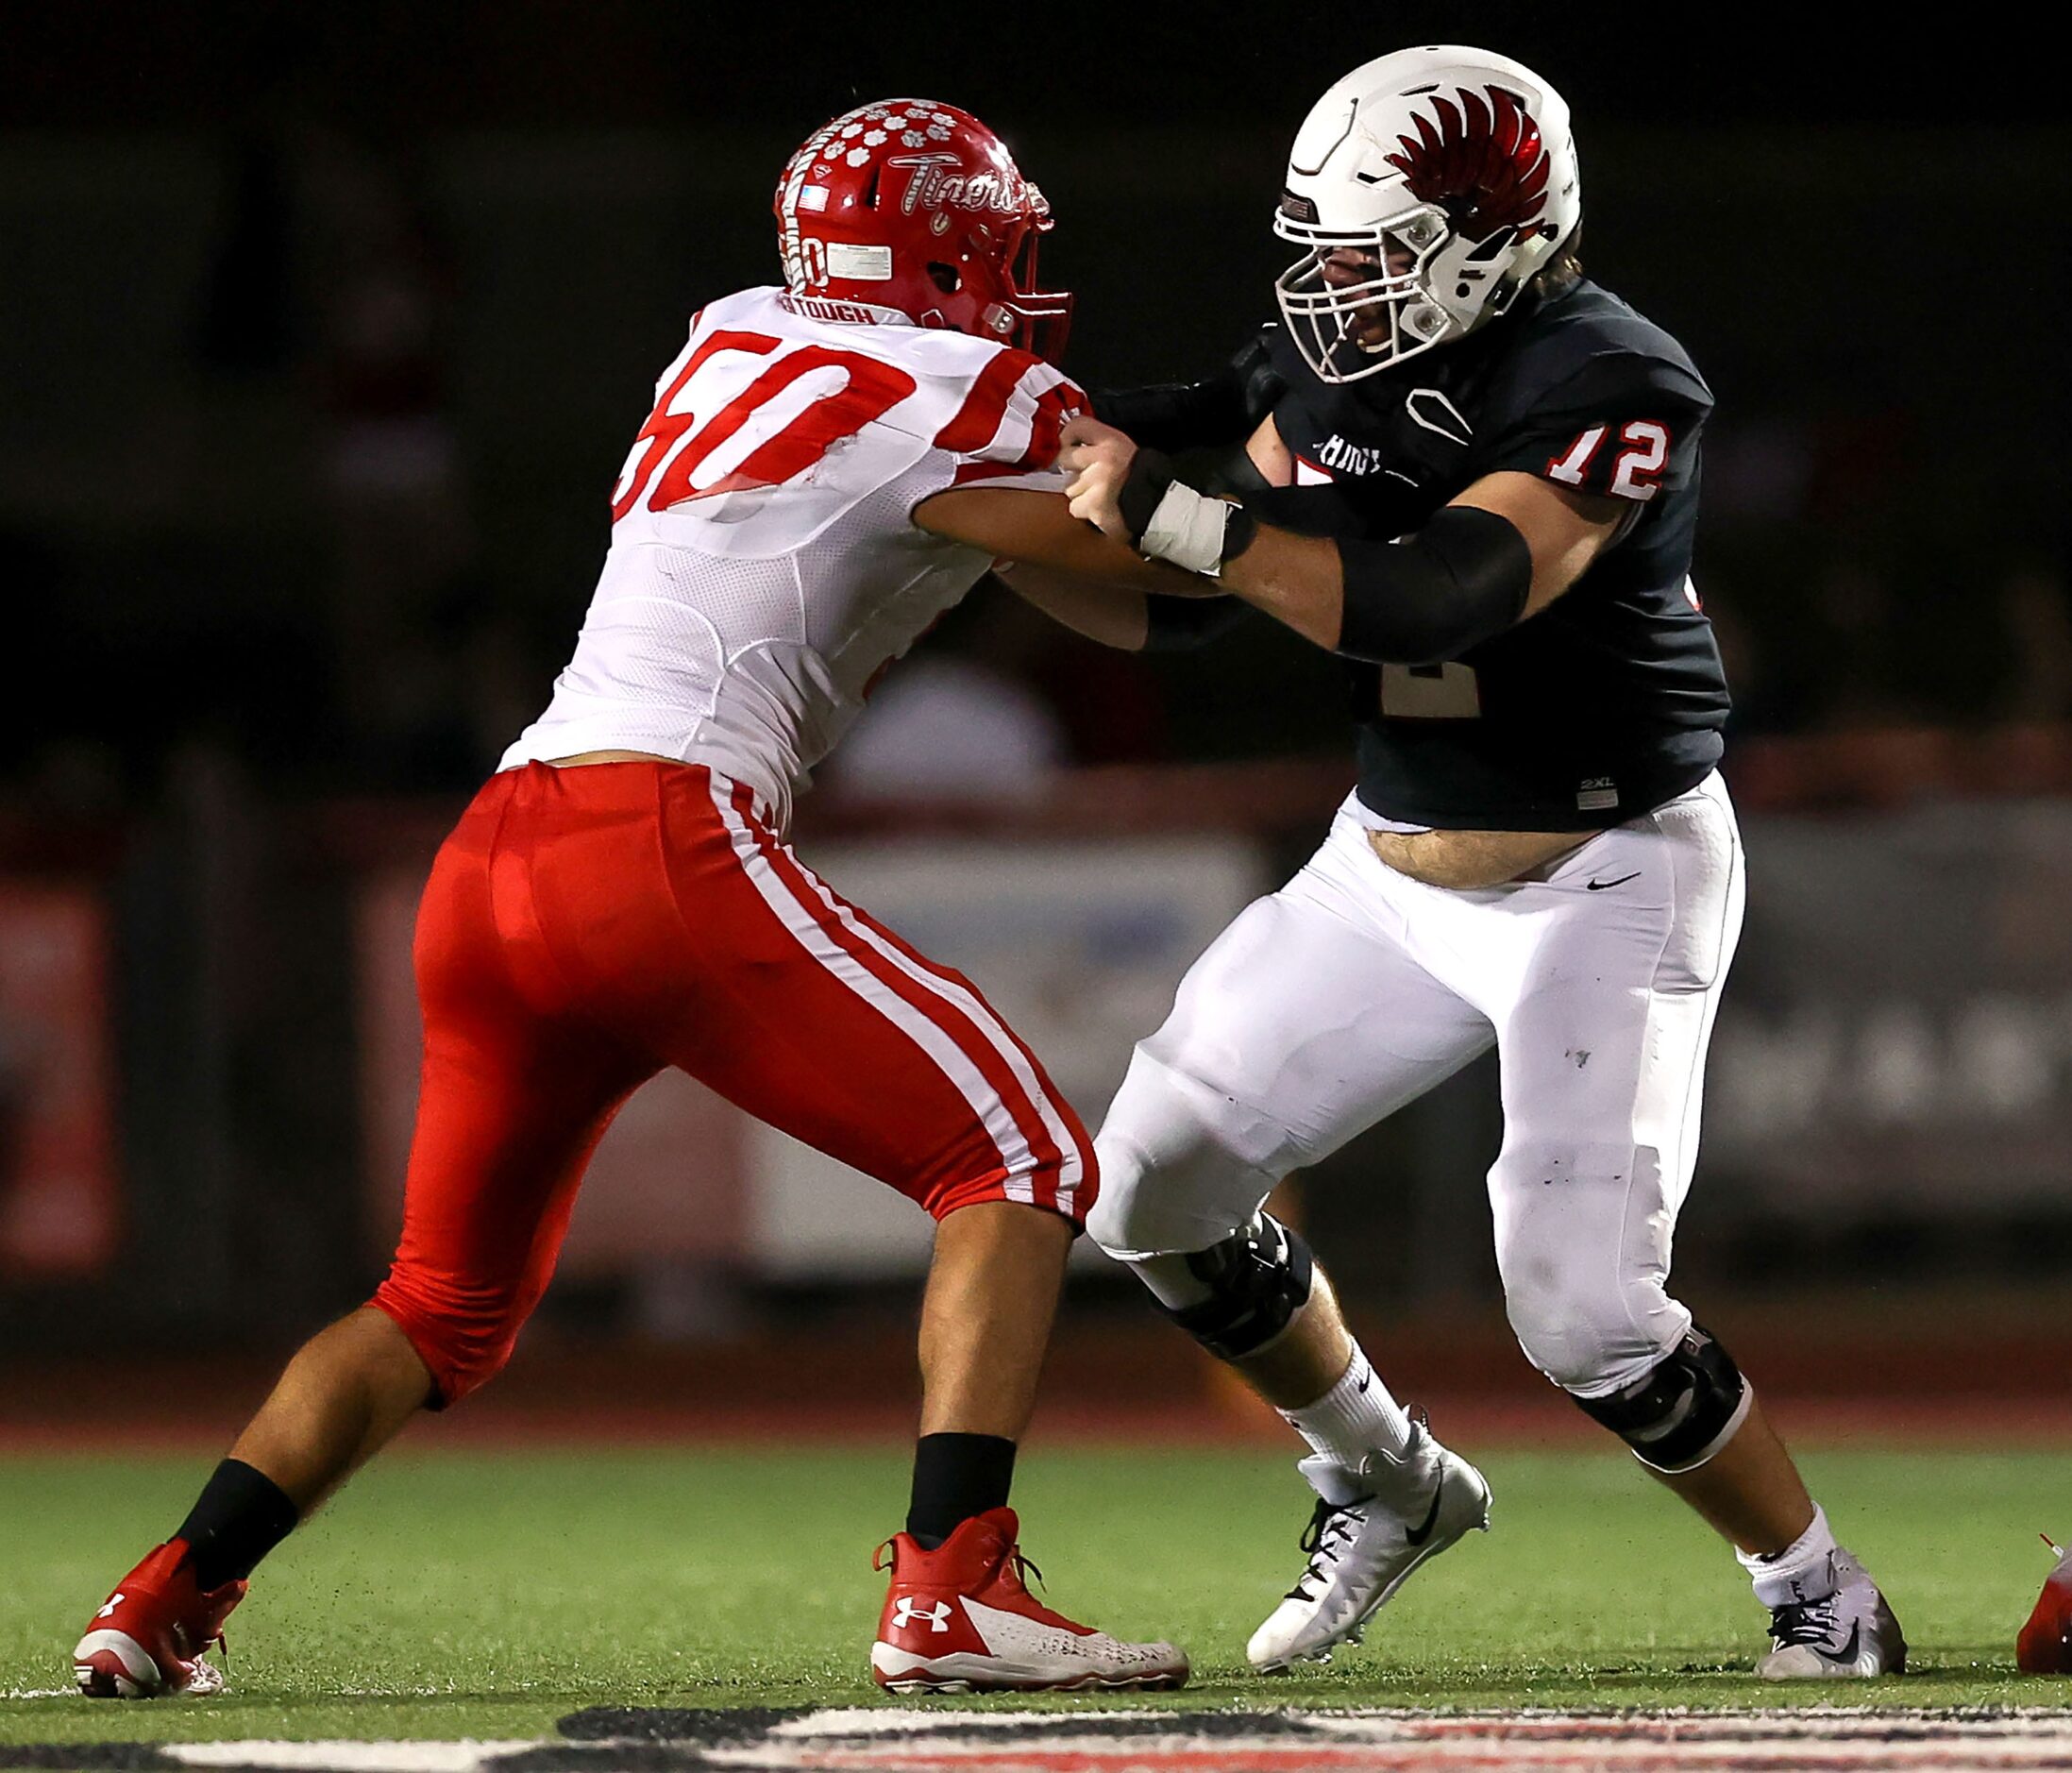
(1482,162)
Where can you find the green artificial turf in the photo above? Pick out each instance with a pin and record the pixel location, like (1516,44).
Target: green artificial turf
(487,1595)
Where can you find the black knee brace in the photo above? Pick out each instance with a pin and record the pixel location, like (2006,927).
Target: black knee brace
(1256,1280)
(1684,1411)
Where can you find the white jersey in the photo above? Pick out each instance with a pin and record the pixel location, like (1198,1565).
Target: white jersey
(763,568)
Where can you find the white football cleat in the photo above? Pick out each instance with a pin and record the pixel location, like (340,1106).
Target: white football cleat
(1372,1527)
(1850,1635)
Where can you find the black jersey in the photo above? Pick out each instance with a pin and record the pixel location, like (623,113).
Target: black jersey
(1609,702)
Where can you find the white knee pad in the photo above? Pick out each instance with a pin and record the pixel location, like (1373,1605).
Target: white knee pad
(1180,1163)
(1592,1344)
(1585,1260)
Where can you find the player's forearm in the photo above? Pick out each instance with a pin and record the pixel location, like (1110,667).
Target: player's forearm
(1294,579)
(1462,579)
(1121,615)
(1114,615)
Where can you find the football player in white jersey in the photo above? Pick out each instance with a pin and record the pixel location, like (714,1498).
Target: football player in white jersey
(829,465)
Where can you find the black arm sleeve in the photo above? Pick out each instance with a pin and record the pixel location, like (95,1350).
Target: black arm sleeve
(1176,624)
(1461,579)
(1171,416)
(1226,408)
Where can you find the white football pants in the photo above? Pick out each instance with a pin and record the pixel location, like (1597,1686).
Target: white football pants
(1328,1005)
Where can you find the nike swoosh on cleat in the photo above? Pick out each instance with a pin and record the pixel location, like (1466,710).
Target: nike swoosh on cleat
(1418,1535)
(1847,1652)
(1598,885)
(1844,1657)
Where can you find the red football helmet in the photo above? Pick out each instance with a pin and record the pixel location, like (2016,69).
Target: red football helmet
(910,206)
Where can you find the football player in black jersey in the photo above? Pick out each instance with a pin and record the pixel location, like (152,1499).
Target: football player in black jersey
(1477,481)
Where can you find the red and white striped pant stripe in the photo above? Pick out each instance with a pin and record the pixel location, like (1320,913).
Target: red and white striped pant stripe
(584,928)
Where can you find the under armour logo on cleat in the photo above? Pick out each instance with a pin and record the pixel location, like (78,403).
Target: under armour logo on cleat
(908,1609)
(114,1601)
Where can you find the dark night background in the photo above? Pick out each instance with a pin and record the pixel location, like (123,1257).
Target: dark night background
(324,330)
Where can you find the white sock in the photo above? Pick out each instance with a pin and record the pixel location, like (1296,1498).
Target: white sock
(1353,1417)
(1803,1571)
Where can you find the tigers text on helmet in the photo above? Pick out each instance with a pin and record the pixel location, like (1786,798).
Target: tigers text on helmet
(907,207)
(1426,188)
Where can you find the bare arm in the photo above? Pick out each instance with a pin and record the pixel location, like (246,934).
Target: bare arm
(1274,460)
(1114,615)
(1067,569)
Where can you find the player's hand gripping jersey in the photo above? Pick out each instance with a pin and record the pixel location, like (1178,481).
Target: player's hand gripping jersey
(763,568)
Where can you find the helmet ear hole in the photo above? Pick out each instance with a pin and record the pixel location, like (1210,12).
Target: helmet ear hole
(945,277)
(1496,245)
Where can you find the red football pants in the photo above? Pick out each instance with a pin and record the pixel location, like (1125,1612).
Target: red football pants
(585,927)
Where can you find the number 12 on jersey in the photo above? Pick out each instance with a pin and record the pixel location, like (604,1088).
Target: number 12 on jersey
(1637,469)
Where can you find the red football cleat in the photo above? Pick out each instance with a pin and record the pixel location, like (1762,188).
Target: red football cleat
(960,1619)
(147,1640)
(2044,1646)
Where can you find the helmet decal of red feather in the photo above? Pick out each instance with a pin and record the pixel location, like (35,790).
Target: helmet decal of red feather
(1483,163)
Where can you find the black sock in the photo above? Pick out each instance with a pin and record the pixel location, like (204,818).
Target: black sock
(955,1477)
(240,1516)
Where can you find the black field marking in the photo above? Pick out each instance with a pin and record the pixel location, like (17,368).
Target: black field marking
(808,1723)
(651,1723)
(613,1757)
(86,1755)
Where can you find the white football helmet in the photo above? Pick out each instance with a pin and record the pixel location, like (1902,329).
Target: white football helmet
(1456,162)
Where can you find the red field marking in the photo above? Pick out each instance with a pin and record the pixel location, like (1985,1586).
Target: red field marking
(1648,1758)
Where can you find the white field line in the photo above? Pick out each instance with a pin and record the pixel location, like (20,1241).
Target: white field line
(1802,1740)
(1417,1724)
(1811,1739)
(347,1756)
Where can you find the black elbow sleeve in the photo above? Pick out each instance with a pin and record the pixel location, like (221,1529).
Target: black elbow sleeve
(1461,579)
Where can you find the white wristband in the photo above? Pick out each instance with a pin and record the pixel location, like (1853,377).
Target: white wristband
(1188,530)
